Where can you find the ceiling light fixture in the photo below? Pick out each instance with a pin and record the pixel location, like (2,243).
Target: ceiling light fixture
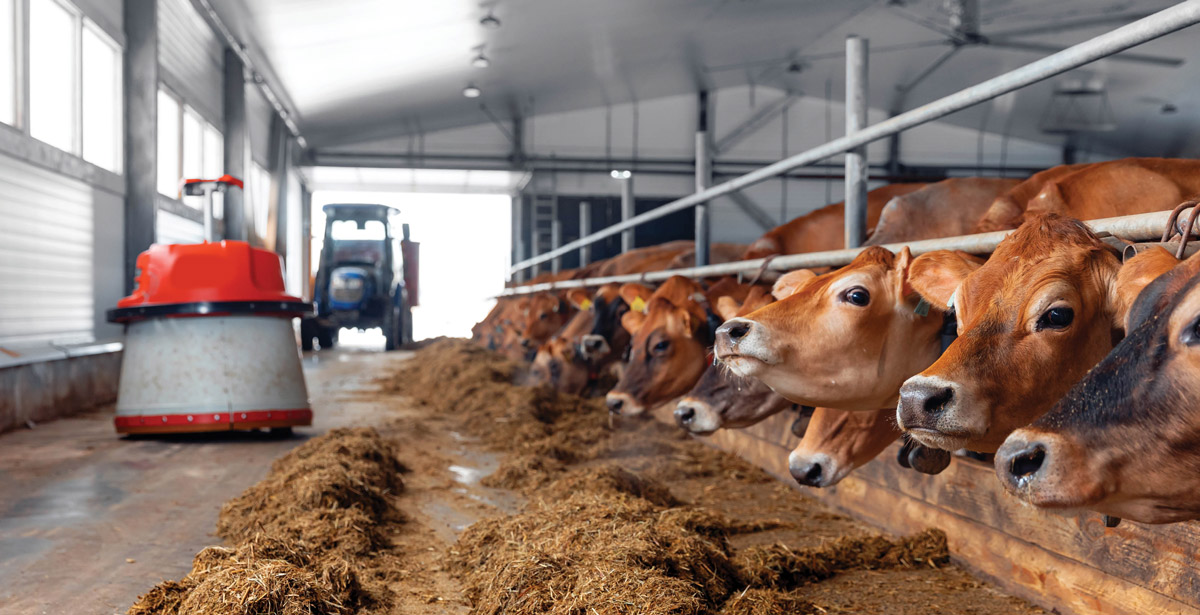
(481,61)
(489,21)
(621,174)
(471,91)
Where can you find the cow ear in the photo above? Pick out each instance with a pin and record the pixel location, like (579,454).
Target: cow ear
(580,298)
(632,292)
(790,282)
(1157,291)
(727,307)
(1132,278)
(632,321)
(936,275)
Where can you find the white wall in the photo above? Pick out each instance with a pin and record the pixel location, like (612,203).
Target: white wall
(665,129)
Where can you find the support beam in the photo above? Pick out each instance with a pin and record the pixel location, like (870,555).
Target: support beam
(280,156)
(627,212)
(555,242)
(703,180)
(520,250)
(585,229)
(754,123)
(141,129)
(236,143)
(752,210)
(856,159)
(305,242)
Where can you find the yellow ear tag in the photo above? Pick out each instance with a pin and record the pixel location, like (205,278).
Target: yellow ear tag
(638,305)
(586,304)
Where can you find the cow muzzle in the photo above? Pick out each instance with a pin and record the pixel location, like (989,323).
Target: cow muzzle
(815,469)
(622,404)
(744,345)
(929,409)
(696,417)
(593,347)
(1047,471)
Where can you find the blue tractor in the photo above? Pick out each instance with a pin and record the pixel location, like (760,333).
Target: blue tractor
(366,277)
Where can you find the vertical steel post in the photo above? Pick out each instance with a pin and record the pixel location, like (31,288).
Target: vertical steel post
(627,207)
(856,159)
(236,138)
(555,242)
(585,229)
(141,129)
(519,243)
(703,180)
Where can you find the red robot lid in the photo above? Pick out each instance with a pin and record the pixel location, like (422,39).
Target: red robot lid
(207,279)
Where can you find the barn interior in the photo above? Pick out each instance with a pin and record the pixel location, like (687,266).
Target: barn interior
(256,257)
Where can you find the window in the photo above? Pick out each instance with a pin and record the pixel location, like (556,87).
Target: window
(52,53)
(101,100)
(8,61)
(214,153)
(168,144)
(193,146)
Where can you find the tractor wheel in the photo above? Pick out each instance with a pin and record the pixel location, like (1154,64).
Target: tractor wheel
(325,337)
(392,328)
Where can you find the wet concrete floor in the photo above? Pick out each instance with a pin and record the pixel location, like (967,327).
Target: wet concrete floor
(89,519)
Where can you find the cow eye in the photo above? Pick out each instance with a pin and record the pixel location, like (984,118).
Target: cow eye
(857,296)
(1191,335)
(662,346)
(1056,318)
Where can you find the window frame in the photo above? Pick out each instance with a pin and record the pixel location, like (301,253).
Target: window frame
(76,112)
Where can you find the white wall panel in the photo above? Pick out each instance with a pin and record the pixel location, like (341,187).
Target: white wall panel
(46,257)
(191,58)
(170,228)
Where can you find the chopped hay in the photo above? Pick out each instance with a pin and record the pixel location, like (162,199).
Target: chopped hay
(768,602)
(301,536)
(778,567)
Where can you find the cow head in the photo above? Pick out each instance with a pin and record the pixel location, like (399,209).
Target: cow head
(722,399)
(838,441)
(1123,441)
(1031,321)
(544,314)
(558,365)
(846,339)
(670,336)
(605,342)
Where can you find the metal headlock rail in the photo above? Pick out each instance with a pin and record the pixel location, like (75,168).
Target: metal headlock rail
(1141,227)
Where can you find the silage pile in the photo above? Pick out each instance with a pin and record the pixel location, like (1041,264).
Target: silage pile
(602,533)
(304,539)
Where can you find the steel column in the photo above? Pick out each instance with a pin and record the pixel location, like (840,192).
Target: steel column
(856,159)
(236,142)
(703,181)
(518,233)
(1159,24)
(627,213)
(141,129)
(585,229)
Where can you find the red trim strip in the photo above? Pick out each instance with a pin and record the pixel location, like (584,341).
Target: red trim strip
(216,421)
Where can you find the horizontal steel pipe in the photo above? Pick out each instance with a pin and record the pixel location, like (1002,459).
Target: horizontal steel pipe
(1159,24)
(1138,228)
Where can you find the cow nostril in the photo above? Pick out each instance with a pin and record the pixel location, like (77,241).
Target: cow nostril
(1028,462)
(937,402)
(738,330)
(685,414)
(614,404)
(810,476)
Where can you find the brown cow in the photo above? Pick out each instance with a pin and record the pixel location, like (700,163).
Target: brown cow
(723,400)
(837,442)
(847,339)
(589,346)
(671,331)
(1044,309)
(544,314)
(822,229)
(1123,441)
(1007,210)
(642,260)
(948,208)
(1106,189)
(717,253)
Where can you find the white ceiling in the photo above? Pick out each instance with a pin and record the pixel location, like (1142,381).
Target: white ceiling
(360,70)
